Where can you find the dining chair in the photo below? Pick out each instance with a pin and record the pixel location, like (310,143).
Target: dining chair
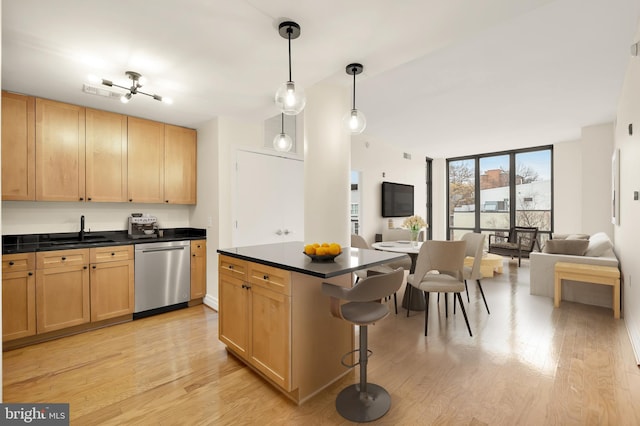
(364,401)
(475,246)
(439,270)
(358,241)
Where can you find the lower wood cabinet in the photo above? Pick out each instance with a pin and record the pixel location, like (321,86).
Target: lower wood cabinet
(111,282)
(255,316)
(18,296)
(62,289)
(198,269)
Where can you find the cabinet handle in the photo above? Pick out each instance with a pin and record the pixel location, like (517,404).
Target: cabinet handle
(166,201)
(265,277)
(94,267)
(198,246)
(81,199)
(64,258)
(84,267)
(89,199)
(30,273)
(130,200)
(194,255)
(113,254)
(11,263)
(230,266)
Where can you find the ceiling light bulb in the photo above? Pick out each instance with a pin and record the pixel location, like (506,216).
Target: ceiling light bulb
(167,101)
(125,98)
(355,121)
(282,142)
(290,99)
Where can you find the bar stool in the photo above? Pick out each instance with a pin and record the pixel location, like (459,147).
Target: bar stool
(363,402)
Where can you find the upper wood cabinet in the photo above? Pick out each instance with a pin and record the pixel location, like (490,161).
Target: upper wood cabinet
(18,147)
(106,156)
(60,151)
(146,161)
(179,165)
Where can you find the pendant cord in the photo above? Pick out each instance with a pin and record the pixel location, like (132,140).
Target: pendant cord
(289,31)
(354,88)
(282,118)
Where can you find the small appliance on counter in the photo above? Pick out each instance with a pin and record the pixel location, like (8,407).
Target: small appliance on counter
(142,226)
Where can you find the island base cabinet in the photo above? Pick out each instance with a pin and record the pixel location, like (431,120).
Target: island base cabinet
(278,323)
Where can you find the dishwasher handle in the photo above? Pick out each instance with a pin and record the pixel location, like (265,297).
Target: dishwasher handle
(162,249)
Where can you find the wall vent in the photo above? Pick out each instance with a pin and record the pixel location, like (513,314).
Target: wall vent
(407,156)
(100,91)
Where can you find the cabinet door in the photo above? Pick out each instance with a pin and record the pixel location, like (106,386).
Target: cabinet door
(179,165)
(60,151)
(111,289)
(145,168)
(62,296)
(271,334)
(233,314)
(106,156)
(18,305)
(18,147)
(198,269)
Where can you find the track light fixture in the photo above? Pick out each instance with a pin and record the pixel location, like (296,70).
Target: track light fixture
(290,98)
(354,120)
(282,142)
(136,83)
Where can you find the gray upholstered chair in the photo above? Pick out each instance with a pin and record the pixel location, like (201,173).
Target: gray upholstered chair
(365,401)
(475,245)
(439,270)
(359,242)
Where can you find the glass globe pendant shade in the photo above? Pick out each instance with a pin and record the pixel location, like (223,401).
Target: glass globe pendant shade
(282,142)
(355,121)
(290,99)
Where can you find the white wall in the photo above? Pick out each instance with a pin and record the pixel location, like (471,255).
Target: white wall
(567,177)
(627,234)
(373,158)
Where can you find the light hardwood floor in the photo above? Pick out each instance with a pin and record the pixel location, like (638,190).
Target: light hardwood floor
(527,363)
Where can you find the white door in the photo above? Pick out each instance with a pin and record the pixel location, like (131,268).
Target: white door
(269,199)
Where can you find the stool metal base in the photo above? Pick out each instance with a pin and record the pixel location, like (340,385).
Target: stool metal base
(363,407)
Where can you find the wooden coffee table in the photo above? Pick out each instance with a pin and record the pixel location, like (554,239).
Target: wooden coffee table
(490,263)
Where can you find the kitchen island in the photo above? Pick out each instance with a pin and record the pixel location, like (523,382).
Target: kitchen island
(274,317)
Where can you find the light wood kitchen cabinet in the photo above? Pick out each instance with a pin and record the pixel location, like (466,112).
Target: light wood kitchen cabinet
(180,145)
(111,282)
(18,296)
(255,316)
(198,268)
(18,147)
(106,156)
(62,289)
(145,168)
(60,151)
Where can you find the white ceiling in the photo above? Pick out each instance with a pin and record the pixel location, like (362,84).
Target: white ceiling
(442,77)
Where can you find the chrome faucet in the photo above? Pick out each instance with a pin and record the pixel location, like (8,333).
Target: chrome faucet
(81,233)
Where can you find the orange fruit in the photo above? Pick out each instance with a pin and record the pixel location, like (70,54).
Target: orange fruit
(321,251)
(334,249)
(316,245)
(325,244)
(309,249)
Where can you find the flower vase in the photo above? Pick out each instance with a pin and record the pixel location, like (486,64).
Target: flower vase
(414,237)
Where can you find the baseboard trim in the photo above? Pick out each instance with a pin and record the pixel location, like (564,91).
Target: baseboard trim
(211,302)
(634,334)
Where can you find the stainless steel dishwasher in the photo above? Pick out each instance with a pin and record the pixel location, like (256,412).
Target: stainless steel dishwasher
(162,277)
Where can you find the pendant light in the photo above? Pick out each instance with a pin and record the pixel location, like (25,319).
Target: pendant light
(137,80)
(354,120)
(282,142)
(290,98)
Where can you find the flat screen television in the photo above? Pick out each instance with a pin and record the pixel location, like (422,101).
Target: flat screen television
(397,199)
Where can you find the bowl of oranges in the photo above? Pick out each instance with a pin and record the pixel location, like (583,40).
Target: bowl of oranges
(324,252)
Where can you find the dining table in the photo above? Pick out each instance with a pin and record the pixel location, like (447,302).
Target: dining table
(412,249)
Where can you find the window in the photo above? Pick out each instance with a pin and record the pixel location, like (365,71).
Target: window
(514,188)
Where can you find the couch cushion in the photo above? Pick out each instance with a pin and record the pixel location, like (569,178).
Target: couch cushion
(572,247)
(570,236)
(599,243)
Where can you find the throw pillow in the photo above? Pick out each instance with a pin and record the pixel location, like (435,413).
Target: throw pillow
(571,247)
(599,243)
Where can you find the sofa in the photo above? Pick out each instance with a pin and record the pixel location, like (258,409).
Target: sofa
(596,249)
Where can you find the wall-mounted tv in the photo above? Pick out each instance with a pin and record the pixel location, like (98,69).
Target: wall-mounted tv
(397,199)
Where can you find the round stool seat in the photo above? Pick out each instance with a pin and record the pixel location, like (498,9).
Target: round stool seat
(363,313)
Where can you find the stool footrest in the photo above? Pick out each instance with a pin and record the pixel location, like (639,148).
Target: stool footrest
(369,353)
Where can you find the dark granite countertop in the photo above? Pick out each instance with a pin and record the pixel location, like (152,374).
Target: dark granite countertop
(69,240)
(290,257)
